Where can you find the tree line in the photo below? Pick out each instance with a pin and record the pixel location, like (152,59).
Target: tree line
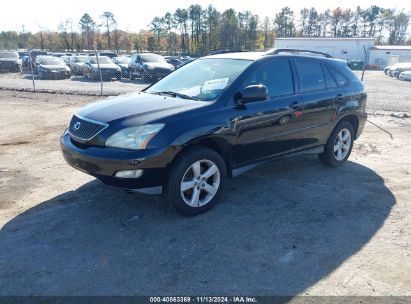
(198,30)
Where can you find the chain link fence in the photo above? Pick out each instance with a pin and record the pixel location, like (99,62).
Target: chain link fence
(106,73)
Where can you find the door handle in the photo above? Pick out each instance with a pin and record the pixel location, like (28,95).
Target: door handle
(339,97)
(295,105)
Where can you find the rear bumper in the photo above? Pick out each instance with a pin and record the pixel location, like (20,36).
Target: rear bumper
(362,119)
(104,162)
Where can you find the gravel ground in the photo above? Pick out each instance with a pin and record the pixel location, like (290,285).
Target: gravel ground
(385,93)
(293,227)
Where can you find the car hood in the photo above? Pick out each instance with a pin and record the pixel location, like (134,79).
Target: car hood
(123,65)
(162,65)
(50,67)
(137,108)
(9,59)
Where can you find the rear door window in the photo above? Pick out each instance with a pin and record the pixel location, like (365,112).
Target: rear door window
(276,75)
(311,75)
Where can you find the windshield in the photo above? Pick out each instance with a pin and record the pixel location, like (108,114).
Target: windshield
(8,55)
(123,59)
(152,58)
(101,60)
(80,58)
(51,61)
(202,79)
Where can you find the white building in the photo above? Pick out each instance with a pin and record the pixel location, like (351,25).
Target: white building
(383,55)
(350,49)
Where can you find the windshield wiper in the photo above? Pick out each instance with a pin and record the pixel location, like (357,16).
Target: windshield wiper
(176,94)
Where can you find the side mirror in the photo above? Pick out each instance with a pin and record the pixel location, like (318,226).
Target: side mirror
(252,93)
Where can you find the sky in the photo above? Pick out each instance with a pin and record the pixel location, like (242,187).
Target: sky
(136,15)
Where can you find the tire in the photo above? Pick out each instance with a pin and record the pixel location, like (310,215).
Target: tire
(336,158)
(187,202)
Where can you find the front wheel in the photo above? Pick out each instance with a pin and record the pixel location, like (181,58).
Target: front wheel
(196,180)
(339,145)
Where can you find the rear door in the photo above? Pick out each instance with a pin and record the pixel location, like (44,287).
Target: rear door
(270,127)
(319,91)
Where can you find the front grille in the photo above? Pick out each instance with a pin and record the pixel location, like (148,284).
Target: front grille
(162,71)
(7,64)
(85,129)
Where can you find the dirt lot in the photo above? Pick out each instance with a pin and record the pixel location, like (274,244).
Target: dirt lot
(293,227)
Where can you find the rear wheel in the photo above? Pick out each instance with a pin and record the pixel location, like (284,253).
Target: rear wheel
(196,180)
(339,145)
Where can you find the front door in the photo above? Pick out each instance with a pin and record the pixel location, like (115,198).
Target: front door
(271,127)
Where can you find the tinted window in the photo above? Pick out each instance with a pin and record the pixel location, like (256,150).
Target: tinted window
(275,75)
(311,75)
(341,80)
(329,79)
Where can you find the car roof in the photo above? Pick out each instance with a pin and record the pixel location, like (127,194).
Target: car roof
(258,55)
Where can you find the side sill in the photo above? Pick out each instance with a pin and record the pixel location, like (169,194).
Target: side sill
(238,171)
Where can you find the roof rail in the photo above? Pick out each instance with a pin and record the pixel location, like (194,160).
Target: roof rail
(278,51)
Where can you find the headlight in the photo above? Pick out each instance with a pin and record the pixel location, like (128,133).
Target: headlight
(172,67)
(134,138)
(148,67)
(43,69)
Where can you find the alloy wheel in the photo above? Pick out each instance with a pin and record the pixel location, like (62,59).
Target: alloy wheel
(342,144)
(200,183)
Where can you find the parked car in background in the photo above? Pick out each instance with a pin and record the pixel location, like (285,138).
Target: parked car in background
(215,118)
(76,64)
(405,75)
(37,62)
(52,68)
(148,66)
(174,61)
(123,62)
(108,68)
(66,59)
(396,69)
(386,69)
(10,61)
(61,54)
(32,58)
(111,55)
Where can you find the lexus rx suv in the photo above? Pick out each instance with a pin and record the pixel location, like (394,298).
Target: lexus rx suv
(215,118)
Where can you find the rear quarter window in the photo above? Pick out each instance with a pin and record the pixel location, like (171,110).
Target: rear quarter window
(311,75)
(340,78)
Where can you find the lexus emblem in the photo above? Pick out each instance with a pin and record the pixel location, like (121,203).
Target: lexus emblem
(76,126)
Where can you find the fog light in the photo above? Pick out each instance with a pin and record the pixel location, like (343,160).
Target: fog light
(129,173)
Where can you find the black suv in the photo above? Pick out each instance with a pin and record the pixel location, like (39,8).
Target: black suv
(216,117)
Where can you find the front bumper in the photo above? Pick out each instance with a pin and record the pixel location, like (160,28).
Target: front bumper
(10,67)
(156,73)
(104,162)
(109,74)
(54,75)
(361,123)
